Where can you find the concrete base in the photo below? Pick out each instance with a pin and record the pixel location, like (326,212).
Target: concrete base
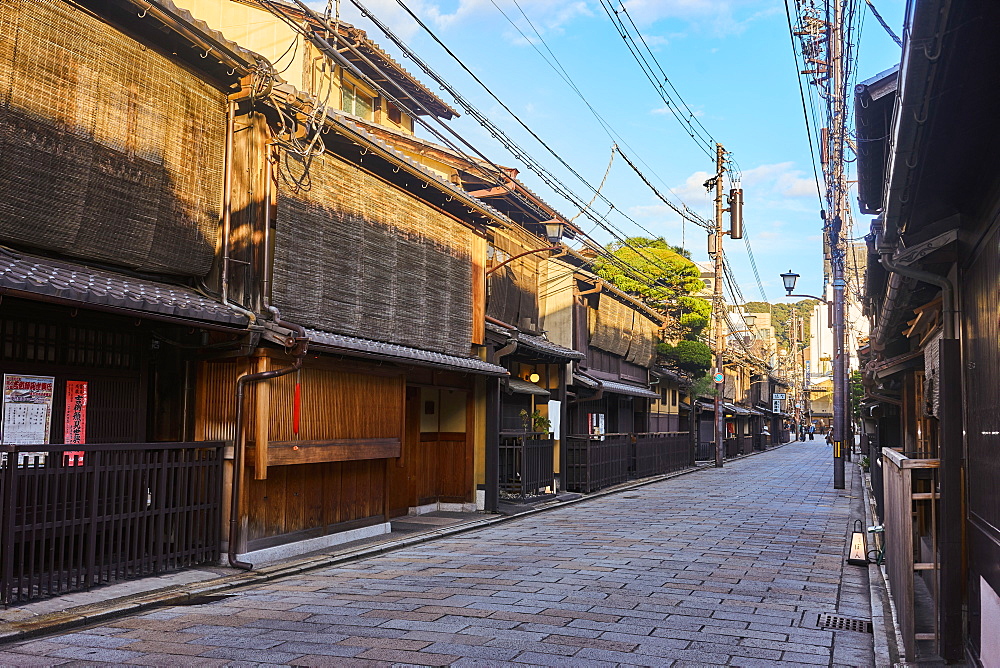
(271,555)
(445,507)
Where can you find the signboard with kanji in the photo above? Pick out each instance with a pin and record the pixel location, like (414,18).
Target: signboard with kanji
(27,412)
(75,424)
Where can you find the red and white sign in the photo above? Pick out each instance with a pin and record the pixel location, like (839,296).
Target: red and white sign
(75,426)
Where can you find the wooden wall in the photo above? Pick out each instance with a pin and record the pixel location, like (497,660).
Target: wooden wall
(346,407)
(339,400)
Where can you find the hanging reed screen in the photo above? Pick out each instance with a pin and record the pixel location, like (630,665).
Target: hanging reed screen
(108,150)
(357,256)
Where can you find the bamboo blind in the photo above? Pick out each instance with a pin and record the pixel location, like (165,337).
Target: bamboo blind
(358,256)
(108,150)
(619,329)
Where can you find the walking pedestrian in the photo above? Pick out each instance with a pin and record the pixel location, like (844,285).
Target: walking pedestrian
(812,432)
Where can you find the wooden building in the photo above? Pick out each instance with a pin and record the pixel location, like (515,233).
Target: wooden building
(113,133)
(927,171)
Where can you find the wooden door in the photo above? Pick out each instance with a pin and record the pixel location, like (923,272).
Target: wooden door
(401,474)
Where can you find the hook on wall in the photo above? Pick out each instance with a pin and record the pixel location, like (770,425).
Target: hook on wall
(146,10)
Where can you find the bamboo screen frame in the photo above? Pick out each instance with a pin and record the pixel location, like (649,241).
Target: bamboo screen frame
(109,151)
(621,330)
(358,256)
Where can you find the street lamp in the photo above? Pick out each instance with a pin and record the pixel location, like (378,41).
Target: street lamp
(789,278)
(841,429)
(553,231)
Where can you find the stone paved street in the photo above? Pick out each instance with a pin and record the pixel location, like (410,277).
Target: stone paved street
(719,567)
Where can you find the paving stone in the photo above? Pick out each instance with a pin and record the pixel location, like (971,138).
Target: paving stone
(254,656)
(404,656)
(160,660)
(538,659)
(11,658)
(97,654)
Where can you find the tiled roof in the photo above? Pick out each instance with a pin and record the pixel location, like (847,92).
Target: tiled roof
(539,344)
(396,353)
(77,283)
(626,388)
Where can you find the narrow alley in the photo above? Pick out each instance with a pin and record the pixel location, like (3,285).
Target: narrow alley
(731,566)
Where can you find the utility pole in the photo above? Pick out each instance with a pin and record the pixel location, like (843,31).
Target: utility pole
(718,309)
(837,194)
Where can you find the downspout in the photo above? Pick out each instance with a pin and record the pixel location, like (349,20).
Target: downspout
(947,292)
(299,351)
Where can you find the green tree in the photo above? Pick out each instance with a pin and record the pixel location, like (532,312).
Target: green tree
(663,277)
(857,393)
(781,315)
(691,356)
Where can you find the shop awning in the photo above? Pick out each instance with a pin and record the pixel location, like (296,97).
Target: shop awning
(538,344)
(36,277)
(614,387)
(518,386)
(391,352)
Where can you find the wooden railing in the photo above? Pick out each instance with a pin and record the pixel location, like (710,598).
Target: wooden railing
(526,464)
(661,452)
(906,507)
(732,447)
(705,451)
(105,513)
(596,462)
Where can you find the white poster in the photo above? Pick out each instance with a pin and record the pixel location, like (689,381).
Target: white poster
(27,411)
(555,408)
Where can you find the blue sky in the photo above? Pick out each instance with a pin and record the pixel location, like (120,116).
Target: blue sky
(729,59)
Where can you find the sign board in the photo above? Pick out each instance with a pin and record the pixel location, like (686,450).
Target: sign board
(776,405)
(778,395)
(718,378)
(27,412)
(75,421)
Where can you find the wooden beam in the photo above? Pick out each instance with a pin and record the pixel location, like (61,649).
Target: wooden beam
(490,192)
(285,453)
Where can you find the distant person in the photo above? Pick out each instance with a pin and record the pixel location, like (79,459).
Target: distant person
(812,432)
(802,432)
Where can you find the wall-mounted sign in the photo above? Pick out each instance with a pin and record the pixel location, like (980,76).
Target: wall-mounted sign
(776,405)
(27,412)
(75,424)
(778,395)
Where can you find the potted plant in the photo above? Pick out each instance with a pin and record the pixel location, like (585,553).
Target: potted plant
(535,422)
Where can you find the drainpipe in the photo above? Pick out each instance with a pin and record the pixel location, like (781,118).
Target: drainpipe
(947,291)
(298,352)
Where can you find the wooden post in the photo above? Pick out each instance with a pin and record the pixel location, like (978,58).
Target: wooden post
(263,421)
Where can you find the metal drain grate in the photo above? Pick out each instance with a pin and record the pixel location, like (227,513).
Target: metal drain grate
(838,623)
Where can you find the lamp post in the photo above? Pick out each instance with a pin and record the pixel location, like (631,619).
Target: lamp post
(840,419)
(553,231)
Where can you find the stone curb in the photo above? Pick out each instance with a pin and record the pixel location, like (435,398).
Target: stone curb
(94,613)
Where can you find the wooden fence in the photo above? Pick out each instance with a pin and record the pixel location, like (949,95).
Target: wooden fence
(105,513)
(526,465)
(596,462)
(906,508)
